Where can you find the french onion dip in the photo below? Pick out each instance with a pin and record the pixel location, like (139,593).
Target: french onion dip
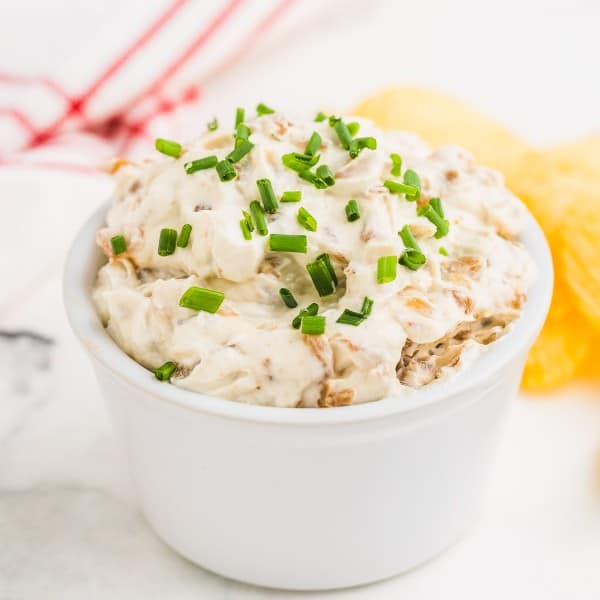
(309,263)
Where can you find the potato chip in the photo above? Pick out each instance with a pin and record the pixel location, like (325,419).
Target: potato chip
(440,119)
(561,348)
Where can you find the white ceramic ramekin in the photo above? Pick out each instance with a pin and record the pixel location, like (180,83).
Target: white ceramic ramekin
(307,498)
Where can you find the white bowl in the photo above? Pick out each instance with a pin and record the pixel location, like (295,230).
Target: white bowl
(307,498)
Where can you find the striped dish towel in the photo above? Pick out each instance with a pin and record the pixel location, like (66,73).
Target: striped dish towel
(113,95)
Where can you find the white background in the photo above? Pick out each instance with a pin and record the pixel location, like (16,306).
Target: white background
(68,523)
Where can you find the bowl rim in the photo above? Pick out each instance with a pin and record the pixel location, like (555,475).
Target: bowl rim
(84,258)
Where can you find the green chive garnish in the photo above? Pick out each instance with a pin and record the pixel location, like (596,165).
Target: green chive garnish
(396,164)
(263,109)
(164,372)
(411,178)
(258,214)
(353,128)
(342,132)
(248,218)
(225,170)
(351,317)
(396,187)
(118,244)
(313,325)
(239,116)
(367,306)
(184,235)
(313,145)
(412,258)
(168,147)
(281,242)
(386,269)
(441,224)
(299,162)
(310,311)
(267,195)
(359,144)
(245,229)
(322,274)
(352,212)
(197,298)
(213,125)
(291,196)
(242,132)
(443,251)
(321,116)
(436,204)
(306,220)
(208,162)
(309,176)
(288,298)
(324,173)
(240,151)
(167,242)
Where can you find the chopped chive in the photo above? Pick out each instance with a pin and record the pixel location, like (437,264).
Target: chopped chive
(353,128)
(263,109)
(396,164)
(396,187)
(168,147)
(411,178)
(208,162)
(167,242)
(213,125)
(118,244)
(412,259)
(333,120)
(310,311)
(324,173)
(386,269)
(258,214)
(245,229)
(164,372)
(299,162)
(359,144)
(352,212)
(240,151)
(313,144)
(291,196)
(184,235)
(436,204)
(282,242)
(248,218)
(407,237)
(306,220)
(325,258)
(242,132)
(322,274)
(313,325)
(351,317)
(441,224)
(267,195)
(239,116)
(312,178)
(321,116)
(197,298)
(288,298)
(367,306)
(225,171)
(443,251)
(342,132)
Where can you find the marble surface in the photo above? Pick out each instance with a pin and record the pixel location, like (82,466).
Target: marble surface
(69,523)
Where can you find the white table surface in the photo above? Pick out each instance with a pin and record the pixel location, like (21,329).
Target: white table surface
(69,524)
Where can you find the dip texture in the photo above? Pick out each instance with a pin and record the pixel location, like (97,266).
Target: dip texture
(424,325)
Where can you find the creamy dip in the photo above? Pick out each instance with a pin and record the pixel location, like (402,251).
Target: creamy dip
(424,325)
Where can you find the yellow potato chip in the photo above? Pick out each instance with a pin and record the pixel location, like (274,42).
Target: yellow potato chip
(440,119)
(561,348)
(579,158)
(579,253)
